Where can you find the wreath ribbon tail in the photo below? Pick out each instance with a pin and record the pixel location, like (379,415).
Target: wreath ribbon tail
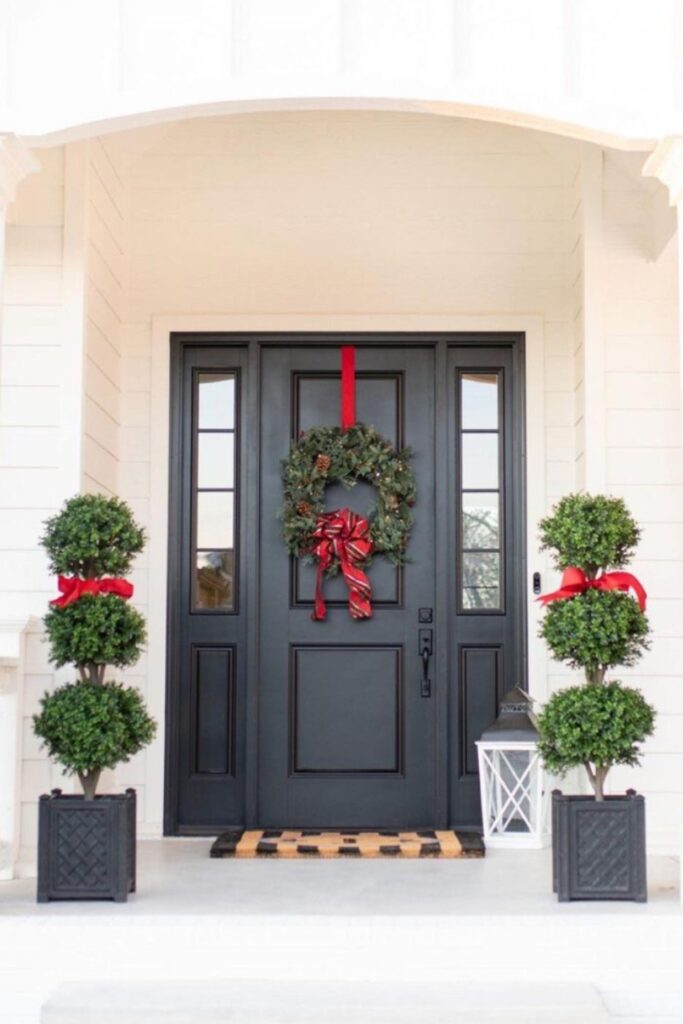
(319,608)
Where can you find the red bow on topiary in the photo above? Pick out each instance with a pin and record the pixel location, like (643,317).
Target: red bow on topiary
(73,587)
(575,581)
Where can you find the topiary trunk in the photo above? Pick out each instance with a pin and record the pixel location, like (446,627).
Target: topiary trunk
(89,782)
(597,778)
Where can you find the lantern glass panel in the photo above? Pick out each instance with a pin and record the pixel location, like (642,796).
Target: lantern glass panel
(512,788)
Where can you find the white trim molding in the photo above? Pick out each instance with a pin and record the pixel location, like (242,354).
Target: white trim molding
(12,647)
(665,163)
(16,163)
(531,325)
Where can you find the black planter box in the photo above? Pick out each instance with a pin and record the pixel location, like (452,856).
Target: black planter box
(599,848)
(86,848)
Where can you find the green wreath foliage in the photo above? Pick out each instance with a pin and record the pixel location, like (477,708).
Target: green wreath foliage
(326,455)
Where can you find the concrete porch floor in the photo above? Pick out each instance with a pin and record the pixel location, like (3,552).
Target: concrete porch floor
(385,923)
(176,876)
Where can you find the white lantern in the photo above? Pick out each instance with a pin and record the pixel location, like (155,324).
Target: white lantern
(511,777)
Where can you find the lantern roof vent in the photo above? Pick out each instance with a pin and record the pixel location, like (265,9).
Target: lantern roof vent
(516,722)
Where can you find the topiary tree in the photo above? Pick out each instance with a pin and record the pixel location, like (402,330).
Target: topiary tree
(597,629)
(593,623)
(92,725)
(595,725)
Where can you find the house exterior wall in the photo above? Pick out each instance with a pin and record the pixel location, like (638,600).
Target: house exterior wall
(35,440)
(644,462)
(106,269)
(366,214)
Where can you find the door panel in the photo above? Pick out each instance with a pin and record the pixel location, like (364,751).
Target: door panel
(345,737)
(207,622)
(487,608)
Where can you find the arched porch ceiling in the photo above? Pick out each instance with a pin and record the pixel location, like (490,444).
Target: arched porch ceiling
(606,127)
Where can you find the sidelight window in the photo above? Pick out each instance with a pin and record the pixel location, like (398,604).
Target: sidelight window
(214,479)
(480,497)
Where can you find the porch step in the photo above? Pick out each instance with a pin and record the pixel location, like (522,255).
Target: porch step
(322,1002)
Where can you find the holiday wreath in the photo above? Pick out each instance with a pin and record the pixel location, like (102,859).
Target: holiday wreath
(343,539)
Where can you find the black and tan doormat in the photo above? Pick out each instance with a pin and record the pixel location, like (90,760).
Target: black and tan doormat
(290,843)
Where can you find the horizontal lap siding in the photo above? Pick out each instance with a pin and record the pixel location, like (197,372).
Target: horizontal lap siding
(32,401)
(38,401)
(644,462)
(105,261)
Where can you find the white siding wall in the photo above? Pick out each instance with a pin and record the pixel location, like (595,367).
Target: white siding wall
(644,462)
(104,312)
(60,391)
(32,418)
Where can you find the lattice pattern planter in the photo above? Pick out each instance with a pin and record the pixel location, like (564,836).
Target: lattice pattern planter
(86,848)
(599,848)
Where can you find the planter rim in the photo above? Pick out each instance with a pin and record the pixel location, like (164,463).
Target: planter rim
(57,794)
(628,797)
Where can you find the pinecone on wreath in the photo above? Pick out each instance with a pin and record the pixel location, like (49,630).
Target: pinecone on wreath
(323,463)
(303,508)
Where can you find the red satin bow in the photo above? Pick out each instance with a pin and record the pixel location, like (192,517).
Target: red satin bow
(73,587)
(575,581)
(344,535)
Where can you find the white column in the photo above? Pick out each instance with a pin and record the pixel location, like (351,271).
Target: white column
(666,164)
(16,162)
(595,480)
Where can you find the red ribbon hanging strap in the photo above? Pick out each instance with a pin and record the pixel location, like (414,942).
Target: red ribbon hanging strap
(574,581)
(72,587)
(344,535)
(348,386)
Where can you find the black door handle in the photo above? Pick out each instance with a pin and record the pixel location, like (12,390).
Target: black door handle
(426,646)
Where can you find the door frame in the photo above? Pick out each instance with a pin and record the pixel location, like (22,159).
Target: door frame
(166,333)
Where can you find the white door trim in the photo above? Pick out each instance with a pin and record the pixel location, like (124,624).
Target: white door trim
(530,325)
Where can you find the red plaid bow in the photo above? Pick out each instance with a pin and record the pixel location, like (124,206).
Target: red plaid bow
(343,535)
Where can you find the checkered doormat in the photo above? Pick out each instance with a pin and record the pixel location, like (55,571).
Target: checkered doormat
(307,843)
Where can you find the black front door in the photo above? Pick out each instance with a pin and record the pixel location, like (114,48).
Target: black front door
(347,737)
(274,719)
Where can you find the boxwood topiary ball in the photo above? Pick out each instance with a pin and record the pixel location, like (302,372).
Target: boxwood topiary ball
(98,629)
(590,531)
(92,536)
(598,629)
(88,727)
(598,724)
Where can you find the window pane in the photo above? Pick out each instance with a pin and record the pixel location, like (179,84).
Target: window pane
(479,393)
(215,519)
(479,461)
(216,401)
(481,579)
(216,460)
(480,526)
(214,579)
